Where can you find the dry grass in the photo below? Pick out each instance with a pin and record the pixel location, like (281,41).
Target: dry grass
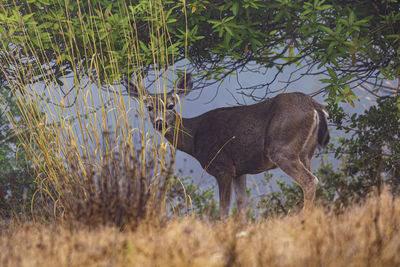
(363,236)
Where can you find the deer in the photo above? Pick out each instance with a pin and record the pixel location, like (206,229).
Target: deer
(231,142)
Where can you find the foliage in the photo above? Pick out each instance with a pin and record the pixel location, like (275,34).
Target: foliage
(348,41)
(17,184)
(187,198)
(373,152)
(286,199)
(369,160)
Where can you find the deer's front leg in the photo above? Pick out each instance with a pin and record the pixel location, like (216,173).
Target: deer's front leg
(225,190)
(239,185)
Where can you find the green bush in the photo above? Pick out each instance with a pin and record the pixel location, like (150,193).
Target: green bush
(188,198)
(17,181)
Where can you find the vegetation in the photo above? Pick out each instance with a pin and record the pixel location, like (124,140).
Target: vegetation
(362,236)
(16,174)
(92,155)
(100,185)
(351,43)
(187,198)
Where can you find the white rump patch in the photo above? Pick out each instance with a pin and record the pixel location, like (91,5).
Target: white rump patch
(325,113)
(313,127)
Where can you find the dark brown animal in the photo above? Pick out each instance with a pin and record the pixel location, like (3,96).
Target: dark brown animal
(231,142)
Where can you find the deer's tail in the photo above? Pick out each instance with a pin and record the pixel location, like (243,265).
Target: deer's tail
(323,133)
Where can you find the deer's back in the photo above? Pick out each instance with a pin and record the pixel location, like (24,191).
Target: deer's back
(242,136)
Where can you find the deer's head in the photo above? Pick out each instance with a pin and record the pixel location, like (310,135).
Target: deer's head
(161,107)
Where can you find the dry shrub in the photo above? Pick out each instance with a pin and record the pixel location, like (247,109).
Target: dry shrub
(367,235)
(121,191)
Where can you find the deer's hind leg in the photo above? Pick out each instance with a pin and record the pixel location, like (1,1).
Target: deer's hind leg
(292,155)
(293,167)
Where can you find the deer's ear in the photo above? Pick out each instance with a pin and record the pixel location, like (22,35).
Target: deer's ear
(185,84)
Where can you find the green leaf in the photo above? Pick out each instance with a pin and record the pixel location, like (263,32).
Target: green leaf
(143,46)
(326,80)
(352,17)
(229,30)
(339,99)
(235,8)
(347,78)
(325,29)
(332,73)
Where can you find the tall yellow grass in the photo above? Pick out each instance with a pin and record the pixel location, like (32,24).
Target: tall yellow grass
(76,132)
(367,235)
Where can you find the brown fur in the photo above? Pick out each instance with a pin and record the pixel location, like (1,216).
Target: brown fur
(234,141)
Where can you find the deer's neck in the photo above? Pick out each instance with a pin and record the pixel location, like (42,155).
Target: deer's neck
(181,133)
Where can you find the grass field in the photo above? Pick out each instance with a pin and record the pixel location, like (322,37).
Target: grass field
(367,235)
